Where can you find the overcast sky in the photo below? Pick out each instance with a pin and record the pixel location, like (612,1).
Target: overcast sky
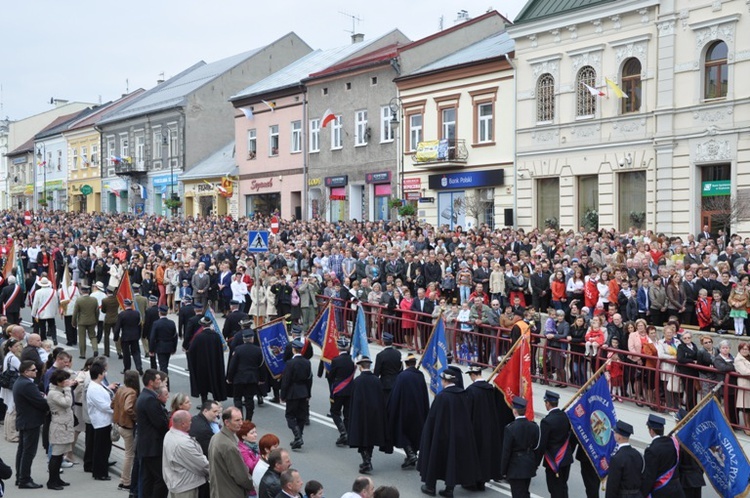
(86,50)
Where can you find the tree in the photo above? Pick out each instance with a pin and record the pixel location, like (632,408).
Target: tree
(474,206)
(726,210)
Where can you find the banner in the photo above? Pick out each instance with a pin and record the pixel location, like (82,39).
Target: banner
(514,379)
(210,314)
(125,291)
(359,336)
(431,150)
(708,436)
(273,341)
(435,356)
(329,349)
(317,332)
(592,418)
(11,262)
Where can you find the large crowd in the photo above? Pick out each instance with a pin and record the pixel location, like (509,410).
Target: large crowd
(588,296)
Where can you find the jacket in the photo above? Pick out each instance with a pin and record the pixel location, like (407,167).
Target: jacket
(200,430)
(128,326)
(85,311)
(60,401)
(45,305)
(110,308)
(152,424)
(229,475)
(245,364)
(184,466)
(520,443)
(163,338)
(270,484)
(124,407)
(296,381)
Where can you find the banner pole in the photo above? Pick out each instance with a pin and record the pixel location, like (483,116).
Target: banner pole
(583,388)
(707,399)
(429,340)
(507,356)
(273,322)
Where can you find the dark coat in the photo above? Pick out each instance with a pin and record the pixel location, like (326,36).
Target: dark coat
(555,432)
(17,303)
(192,326)
(128,326)
(31,353)
(296,381)
(427,309)
(206,360)
(244,364)
(387,366)
(150,317)
(659,457)
(270,484)
(367,416)
(625,468)
(489,416)
(341,374)
(520,443)
(408,406)
(200,430)
(691,474)
(163,337)
(447,450)
(31,406)
(686,358)
(185,314)
(232,323)
(153,424)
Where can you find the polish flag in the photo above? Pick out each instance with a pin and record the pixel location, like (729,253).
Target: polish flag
(593,91)
(328,116)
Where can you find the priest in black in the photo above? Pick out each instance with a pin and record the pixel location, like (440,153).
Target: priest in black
(206,359)
(625,466)
(448,451)
(408,406)
(520,443)
(368,418)
(554,448)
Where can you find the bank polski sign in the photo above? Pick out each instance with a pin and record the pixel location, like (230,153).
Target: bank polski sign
(716,188)
(468,179)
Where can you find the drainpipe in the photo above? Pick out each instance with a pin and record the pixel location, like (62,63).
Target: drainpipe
(304,155)
(515,127)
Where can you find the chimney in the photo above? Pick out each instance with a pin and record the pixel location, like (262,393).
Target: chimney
(160,79)
(59,102)
(358,38)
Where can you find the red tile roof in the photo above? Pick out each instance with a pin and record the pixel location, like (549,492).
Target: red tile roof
(375,57)
(455,27)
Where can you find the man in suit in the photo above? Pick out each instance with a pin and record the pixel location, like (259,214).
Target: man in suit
(152,427)
(162,342)
(200,428)
(243,373)
(111,308)
(691,296)
(200,283)
(520,443)
(705,234)
(225,288)
(540,287)
(341,374)
(661,473)
(229,475)
(296,388)
(31,353)
(11,298)
(128,332)
(307,301)
(31,408)
(554,446)
(232,321)
(424,306)
(187,311)
(149,312)
(388,364)
(85,317)
(625,466)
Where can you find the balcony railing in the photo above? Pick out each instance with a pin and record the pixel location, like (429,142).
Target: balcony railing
(130,167)
(444,152)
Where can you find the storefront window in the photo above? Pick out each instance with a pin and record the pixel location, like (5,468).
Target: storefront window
(338,203)
(263,204)
(632,197)
(451,209)
(548,203)
(382,194)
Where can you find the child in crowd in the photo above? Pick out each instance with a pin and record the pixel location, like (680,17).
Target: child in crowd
(595,337)
(614,372)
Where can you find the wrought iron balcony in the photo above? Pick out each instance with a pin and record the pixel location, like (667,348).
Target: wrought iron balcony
(446,152)
(124,167)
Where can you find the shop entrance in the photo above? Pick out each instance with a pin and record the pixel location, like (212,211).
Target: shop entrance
(716,198)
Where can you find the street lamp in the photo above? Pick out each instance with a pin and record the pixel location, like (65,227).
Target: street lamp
(41,154)
(395,106)
(165,142)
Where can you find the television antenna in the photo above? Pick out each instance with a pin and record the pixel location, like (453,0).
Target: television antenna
(355,19)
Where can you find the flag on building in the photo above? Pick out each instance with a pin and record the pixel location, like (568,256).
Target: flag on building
(143,191)
(592,418)
(273,341)
(210,314)
(328,116)
(271,106)
(593,91)
(125,291)
(514,378)
(359,336)
(248,112)
(616,89)
(709,438)
(435,356)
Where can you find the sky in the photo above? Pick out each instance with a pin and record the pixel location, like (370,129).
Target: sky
(94,51)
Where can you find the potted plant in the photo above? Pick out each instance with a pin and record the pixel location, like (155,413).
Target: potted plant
(174,204)
(552,222)
(591,219)
(637,218)
(407,210)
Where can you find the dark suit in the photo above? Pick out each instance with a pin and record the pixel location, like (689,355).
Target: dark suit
(243,373)
(31,409)
(660,457)
(32,354)
(540,284)
(387,366)
(691,295)
(424,322)
(186,312)
(519,462)
(128,331)
(341,375)
(152,426)
(163,341)
(232,323)
(555,430)
(200,430)
(12,307)
(624,477)
(296,387)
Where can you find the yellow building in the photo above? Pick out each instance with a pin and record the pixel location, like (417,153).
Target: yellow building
(211,187)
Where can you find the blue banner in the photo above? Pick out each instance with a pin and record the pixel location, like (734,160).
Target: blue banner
(273,341)
(592,419)
(317,333)
(210,314)
(435,357)
(708,436)
(359,336)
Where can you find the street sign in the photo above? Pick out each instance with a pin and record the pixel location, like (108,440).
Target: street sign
(257,241)
(274,224)
(86,190)
(27,218)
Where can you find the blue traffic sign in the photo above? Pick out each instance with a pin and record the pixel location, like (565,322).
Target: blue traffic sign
(257,241)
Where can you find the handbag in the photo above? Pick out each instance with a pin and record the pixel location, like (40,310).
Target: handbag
(115,433)
(9,376)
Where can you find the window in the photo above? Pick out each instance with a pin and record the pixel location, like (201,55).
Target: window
(315,135)
(448,123)
(415,131)
(59,160)
(252,144)
(296,136)
(484,122)
(156,148)
(84,157)
(348,86)
(548,202)
(545,98)
(140,149)
(632,199)
(94,159)
(336,139)
(716,71)
(324,91)
(588,201)
(124,149)
(111,149)
(75,159)
(273,140)
(631,85)
(173,144)
(361,135)
(374,80)
(386,132)
(586,101)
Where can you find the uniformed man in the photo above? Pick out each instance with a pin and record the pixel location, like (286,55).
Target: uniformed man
(625,466)
(243,372)
(186,312)
(489,416)
(691,473)
(555,448)
(661,473)
(128,331)
(12,300)
(111,308)
(162,341)
(342,373)
(520,443)
(84,318)
(408,407)
(192,325)
(388,364)
(307,349)
(232,320)
(149,316)
(367,424)
(296,388)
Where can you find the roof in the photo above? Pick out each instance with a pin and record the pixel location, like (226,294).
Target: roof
(220,163)
(538,9)
(27,146)
(61,124)
(494,46)
(174,92)
(300,69)
(104,110)
(378,56)
(453,28)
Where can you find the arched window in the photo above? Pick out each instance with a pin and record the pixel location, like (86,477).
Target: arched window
(545,98)
(631,85)
(716,71)
(586,88)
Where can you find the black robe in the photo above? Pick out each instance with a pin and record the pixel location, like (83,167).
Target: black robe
(367,415)
(206,360)
(448,451)
(408,406)
(489,416)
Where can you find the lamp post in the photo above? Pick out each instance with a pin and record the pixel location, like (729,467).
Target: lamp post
(165,142)
(395,106)
(41,154)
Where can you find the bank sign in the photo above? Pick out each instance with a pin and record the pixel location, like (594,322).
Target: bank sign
(469,179)
(716,188)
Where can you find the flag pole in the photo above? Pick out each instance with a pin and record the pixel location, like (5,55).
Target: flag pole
(707,399)
(273,322)
(429,339)
(583,388)
(506,357)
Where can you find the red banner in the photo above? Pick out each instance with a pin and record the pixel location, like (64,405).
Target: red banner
(330,350)
(124,291)
(514,379)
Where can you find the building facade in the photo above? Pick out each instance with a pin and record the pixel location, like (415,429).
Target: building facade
(211,187)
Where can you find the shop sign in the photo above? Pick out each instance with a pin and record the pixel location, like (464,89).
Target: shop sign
(337,181)
(412,196)
(19,160)
(86,190)
(432,150)
(716,188)
(426,199)
(314,182)
(381,177)
(256,185)
(412,184)
(205,187)
(160,181)
(335,197)
(469,179)
(54,185)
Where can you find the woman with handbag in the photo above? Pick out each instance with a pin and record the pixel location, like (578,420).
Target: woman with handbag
(12,349)
(61,427)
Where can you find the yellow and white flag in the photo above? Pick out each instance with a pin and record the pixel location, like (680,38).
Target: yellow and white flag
(616,89)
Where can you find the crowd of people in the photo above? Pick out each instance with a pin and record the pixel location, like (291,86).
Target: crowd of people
(606,295)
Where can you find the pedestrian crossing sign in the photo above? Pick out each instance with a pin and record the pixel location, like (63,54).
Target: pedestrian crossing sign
(257,241)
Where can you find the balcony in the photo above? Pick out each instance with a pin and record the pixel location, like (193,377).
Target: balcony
(445,152)
(127,166)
